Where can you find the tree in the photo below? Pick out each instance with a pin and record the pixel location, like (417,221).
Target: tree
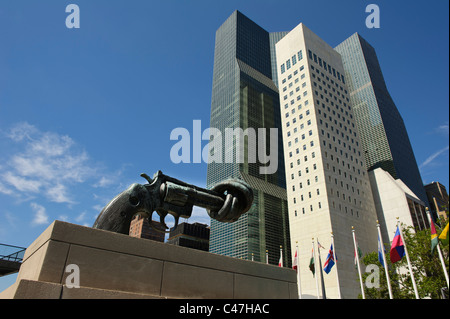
(427,269)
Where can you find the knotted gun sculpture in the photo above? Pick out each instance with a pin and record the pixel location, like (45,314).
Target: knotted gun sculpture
(225,202)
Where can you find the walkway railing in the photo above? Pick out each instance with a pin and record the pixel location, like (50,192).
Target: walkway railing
(11,253)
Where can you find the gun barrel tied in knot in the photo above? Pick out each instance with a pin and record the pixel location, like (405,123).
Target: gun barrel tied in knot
(225,202)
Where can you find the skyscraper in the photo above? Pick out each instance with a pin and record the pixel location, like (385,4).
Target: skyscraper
(244,96)
(327,184)
(383,134)
(438,200)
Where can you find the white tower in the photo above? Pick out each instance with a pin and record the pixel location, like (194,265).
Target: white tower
(328,188)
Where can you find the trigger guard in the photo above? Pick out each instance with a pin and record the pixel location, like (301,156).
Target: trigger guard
(157,229)
(163,224)
(162,221)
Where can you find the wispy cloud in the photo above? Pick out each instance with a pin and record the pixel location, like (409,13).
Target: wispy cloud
(40,214)
(46,168)
(199,215)
(432,157)
(44,163)
(443,129)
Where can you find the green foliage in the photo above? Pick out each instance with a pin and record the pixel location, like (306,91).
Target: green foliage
(427,269)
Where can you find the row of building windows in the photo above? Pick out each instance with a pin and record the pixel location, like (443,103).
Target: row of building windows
(294,59)
(327,67)
(339,194)
(330,85)
(339,206)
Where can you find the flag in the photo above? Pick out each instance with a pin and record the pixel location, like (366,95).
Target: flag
(444,236)
(329,262)
(380,252)
(295,262)
(359,254)
(312,266)
(434,237)
(397,248)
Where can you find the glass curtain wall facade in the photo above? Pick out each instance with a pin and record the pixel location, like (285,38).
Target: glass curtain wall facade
(244,96)
(382,131)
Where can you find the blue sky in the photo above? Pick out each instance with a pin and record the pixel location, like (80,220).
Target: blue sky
(84,111)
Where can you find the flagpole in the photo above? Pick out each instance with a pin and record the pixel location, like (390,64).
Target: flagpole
(441,258)
(322,281)
(315,269)
(335,263)
(408,260)
(357,261)
(385,262)
(298,271)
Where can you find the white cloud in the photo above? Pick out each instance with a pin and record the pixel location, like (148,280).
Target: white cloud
(47,166)
(40,215)
(199,215)
(443,129)
(104,181)
(22,184)
(58,194)
(80,217)
(21,131)
(432,157)
(45,163)
(5,190)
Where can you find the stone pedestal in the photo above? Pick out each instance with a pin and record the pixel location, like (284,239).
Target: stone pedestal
(118,266)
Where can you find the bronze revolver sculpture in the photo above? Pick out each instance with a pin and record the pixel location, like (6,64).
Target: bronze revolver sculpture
(225,202)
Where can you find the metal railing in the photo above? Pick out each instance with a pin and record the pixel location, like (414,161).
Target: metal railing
(11,253)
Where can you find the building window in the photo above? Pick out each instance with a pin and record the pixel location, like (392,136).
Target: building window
(300,55)
(283,69)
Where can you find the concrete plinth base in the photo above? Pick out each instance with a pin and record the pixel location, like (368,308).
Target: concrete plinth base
(118,266)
